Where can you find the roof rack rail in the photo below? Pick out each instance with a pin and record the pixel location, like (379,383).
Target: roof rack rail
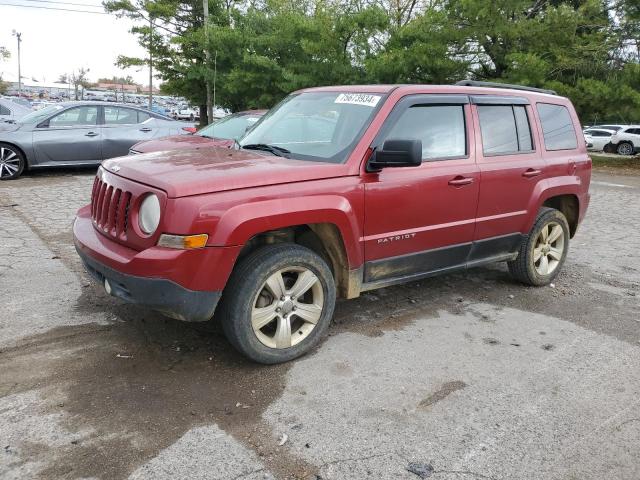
(475,83)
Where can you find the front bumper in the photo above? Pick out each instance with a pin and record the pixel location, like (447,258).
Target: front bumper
(182,284)
(158,294)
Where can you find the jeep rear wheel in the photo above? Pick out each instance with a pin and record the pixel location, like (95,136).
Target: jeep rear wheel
(542,252)
(278,303)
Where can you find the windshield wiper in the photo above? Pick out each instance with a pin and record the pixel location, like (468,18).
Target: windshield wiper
(278,151)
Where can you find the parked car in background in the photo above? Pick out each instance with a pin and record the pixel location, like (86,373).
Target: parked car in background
(79,133)
(21,101)
(626,141)
(338,191)
(613,127)
(223,133)
(186,113)
(160,110)
(11,111)
(597,138)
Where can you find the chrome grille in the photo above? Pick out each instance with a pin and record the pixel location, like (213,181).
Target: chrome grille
(110,209)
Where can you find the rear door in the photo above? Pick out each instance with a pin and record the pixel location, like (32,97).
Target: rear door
(421,219)
(511,165)
(123,127)
(72,135)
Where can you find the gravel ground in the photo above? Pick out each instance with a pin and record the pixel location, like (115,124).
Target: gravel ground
(466,376)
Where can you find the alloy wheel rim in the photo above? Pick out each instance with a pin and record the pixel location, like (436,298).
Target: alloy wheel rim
(9,162)
(287,308)
(549,247)
(625,149)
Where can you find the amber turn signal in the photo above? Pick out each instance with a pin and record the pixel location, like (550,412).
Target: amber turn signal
(184,242)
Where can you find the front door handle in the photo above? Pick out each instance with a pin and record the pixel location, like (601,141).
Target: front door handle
(460,181)
(531,172)
(91,134)
(145,129)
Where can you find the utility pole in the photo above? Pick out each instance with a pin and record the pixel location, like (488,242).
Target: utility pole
(18,35)
(207,56)
(150,62)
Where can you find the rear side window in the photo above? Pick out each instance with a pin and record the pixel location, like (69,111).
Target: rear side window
(120,116)
(557,127)
(441,128)
(505,129)
(4,110)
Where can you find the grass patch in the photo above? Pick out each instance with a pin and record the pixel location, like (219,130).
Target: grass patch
(621,162)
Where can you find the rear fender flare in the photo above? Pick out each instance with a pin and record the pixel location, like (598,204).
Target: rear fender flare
(548,188)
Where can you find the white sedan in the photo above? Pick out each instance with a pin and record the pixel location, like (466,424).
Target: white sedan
(597,138)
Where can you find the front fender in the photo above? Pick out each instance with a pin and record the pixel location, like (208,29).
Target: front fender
(241,222)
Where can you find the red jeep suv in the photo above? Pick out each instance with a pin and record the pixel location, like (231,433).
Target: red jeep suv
(336,191)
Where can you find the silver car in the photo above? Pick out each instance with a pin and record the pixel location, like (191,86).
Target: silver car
(78,133)
(10,111)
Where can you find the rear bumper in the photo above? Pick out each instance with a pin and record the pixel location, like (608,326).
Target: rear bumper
(158,294)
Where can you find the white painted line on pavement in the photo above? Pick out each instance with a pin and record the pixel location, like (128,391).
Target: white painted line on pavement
(608,184)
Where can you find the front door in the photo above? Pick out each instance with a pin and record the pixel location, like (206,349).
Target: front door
(72,135)
(422,219)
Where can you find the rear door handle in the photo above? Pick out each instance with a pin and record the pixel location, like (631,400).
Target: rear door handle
(459,181)
(91,134)
(145,129)
(531,172)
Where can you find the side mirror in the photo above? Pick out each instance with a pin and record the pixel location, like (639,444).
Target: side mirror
(396,153)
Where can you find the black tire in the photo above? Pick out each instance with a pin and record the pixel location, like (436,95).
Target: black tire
(524,268)
(12,162)
(625,148)
(246,283)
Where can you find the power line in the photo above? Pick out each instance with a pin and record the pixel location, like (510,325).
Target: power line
(95,5)
(53,8)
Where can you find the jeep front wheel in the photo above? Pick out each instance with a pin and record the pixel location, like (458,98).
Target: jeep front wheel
(543,251)
(278,303)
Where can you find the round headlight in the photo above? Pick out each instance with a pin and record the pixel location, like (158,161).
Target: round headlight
(149,214)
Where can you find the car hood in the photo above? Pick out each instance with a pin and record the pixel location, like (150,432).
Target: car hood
(179,142)
(209,169)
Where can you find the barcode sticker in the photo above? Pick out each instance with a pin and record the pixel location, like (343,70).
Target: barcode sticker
(358,99)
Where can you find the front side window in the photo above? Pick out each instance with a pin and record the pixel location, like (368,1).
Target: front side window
(231,127)
(557,127)
(441,128)
(316,126)
(76,116)
(505,129)
(120,116)
(40,115)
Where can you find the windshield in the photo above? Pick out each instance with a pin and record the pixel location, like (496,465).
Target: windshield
(40,114)
(231,128)
(317,126)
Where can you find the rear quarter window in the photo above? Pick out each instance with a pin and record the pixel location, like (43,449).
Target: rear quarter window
(557,127)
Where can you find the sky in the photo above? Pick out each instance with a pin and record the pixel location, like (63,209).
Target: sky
(56,42)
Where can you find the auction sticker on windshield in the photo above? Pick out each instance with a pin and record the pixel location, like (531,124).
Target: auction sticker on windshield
(358,99)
